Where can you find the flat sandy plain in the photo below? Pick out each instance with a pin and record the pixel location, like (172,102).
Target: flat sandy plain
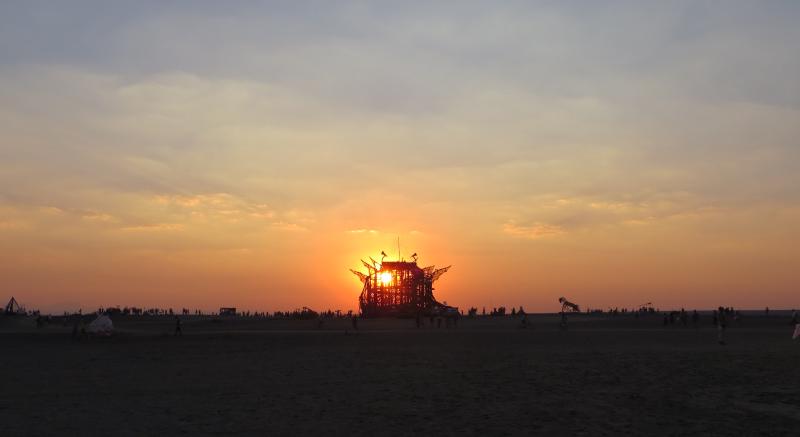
(603,376)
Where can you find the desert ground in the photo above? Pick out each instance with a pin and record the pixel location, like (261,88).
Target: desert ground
(488,376)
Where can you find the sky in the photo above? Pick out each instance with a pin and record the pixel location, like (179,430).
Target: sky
(205,154)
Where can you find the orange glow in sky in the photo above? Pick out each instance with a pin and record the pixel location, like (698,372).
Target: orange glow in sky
(614,155)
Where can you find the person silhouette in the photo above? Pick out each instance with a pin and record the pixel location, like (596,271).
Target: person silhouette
(178,330)
(721,325)
(75,330)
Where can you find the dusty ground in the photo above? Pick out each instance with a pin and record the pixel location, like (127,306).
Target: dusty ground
(601,377)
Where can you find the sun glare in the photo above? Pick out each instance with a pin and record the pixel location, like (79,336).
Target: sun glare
(386,277)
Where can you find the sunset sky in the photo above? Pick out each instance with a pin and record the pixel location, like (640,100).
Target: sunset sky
(206,154)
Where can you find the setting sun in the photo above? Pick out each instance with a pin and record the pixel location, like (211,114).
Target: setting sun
(386,277)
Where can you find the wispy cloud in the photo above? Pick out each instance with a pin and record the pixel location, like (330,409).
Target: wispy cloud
(285,226)
(157,227)
(13,225)
(97,216)
(534,231)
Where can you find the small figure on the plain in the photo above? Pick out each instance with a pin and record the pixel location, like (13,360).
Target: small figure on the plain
(524,321)
(354,321)
(178,328)
(84,334)
(721,325)
(75,330)
(796,332)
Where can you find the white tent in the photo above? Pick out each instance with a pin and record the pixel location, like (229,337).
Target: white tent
(101,326)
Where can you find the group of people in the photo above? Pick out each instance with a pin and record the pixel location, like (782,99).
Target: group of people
(722,316)
(682,317)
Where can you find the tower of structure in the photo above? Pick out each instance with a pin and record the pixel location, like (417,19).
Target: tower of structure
(399,288)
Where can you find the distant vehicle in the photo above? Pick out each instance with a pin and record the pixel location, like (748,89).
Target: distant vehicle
(227,311)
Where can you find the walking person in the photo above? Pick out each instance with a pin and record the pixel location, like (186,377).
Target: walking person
(721,325)
(178,329)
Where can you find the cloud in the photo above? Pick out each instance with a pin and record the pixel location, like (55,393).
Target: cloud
(158,227)
(284,226)
(13,225)
(534,231)
(98,216)
(222,205)
(606,213)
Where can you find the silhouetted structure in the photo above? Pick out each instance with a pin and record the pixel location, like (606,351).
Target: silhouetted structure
(567,306)
(13,307)
(231,311)
(400,288)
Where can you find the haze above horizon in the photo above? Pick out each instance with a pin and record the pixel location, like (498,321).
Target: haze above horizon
(205,154)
